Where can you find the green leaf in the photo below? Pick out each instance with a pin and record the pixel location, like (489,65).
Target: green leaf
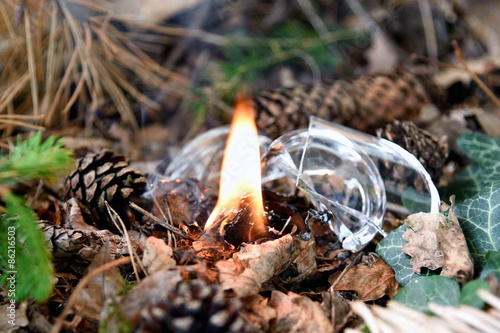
(389,249)
(479,218)
(422,290)
(484,150)
(492,266)
(24,257)
(468,295)
(468,183)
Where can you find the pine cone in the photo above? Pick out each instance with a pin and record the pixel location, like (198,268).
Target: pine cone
(101,178)
(365,104)
(195,308)
(429,150)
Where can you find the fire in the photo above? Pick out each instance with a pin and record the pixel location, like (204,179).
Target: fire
(240,182)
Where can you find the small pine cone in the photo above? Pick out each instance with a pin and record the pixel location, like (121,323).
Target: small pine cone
(432,152)
(101,178)
(365,104)
(195,308)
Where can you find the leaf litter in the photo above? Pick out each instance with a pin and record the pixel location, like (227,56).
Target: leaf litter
(286,280)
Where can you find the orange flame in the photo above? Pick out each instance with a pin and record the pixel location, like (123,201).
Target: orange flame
(240,182)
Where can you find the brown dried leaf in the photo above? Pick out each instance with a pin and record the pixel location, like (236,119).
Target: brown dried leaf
(74,217)
(157,255)
(340,310)
(100,289)
(255,264)
(436,241)
(370,282)
(296,313)
(151,290)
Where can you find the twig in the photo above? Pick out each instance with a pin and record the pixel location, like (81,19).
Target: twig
(81,285)
(286,225)
(429,29)
(113,214)
(344,272)
(481,84)
(154,218)
(168,220)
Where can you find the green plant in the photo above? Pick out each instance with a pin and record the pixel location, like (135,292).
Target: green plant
(484,151)
(478,186)
(24,258)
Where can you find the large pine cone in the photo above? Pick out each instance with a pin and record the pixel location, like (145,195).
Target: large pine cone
(193,307)
(365,104)
(432,152)
(101,178)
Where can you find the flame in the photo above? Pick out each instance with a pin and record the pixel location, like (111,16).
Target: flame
(240,182)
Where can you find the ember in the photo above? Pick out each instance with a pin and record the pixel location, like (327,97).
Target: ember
(240,190)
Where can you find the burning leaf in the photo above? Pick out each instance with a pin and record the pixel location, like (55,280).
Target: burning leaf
(157,255)
(255,264)
(436,241)
(295,313)
(369,282)
(240,179)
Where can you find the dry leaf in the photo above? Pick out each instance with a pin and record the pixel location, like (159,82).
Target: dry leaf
(101,289)
(151,290)
(157,255)
(296,313)
(255,264)
(436,241)
(370,282)
(260,314)
(340,310)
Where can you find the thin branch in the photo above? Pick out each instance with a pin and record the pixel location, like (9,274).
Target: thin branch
(481,84)
(159,221)
(123,229)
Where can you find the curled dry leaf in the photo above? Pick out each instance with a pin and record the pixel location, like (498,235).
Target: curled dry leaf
(255,264)
(296,313)
(157,255)
(436,241)
(370,282)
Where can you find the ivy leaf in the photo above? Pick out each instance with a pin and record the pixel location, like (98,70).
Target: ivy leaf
(467,184)
(468,295)
(492,266)
(484,150)
(479,217)
(389,249)
(422,290)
